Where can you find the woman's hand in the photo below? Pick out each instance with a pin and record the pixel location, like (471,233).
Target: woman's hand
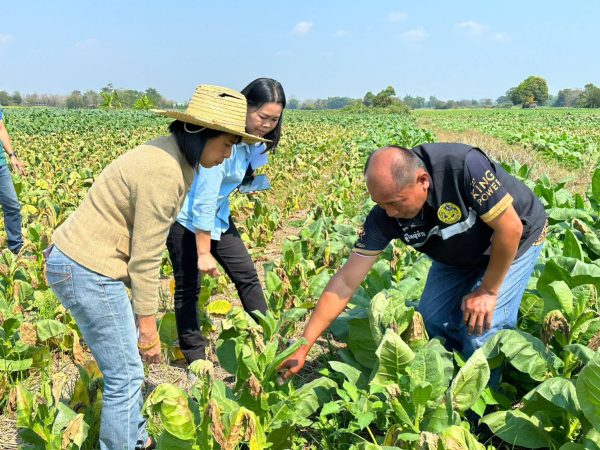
(148,341)
(207,265)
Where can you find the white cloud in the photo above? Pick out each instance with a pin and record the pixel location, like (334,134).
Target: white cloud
(396,16)
(479,30)
(473,28)
(414,35)
(341,33)
(502,37)
(302,28)
(6,39)
(86,46)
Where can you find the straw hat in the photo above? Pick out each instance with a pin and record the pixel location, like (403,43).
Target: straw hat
(217,108)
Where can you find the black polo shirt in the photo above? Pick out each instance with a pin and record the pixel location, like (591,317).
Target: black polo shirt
(467,190)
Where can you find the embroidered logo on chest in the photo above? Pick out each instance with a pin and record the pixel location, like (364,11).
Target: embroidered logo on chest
(449,213)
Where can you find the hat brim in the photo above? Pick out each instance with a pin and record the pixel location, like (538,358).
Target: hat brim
(248,138)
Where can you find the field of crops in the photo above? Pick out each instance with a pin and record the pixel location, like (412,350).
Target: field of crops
(570,135)
(376,380)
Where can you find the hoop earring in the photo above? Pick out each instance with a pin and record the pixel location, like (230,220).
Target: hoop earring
(185,124)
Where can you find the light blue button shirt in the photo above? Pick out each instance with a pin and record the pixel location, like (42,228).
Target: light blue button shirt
(206,207)
(2,155)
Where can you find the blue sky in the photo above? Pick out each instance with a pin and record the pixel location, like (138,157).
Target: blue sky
(450,49)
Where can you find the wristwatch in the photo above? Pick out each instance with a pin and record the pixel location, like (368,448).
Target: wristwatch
(10,155)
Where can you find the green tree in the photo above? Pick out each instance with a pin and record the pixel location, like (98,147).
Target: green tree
(110,100)
(16,98)
(567,97)
(385,97)
(293,103)
(91,99)
(154,96)
(4,98)
(75,100)
(143,102)
(590,97)
(368,99)
(532,89)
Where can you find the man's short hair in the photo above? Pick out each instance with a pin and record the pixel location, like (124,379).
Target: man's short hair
(403,168)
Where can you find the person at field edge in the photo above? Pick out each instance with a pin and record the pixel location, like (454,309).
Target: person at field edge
(115,239)
(205,233)
(8,196)
(482,228)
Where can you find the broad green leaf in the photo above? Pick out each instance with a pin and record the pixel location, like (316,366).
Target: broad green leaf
(171,404)
(440,418)
(583,353)
(15,365)
(420,394)
(393,355)
(378,310)
(274,365)
(517,428)
(24,407)
(331,408)
(304,402)
(564,214)
(352,374)
(226,352)
(572,246)
(428,366)
(591,440)
(361,342)
(588,391)
(470,381)
(49,328)
(572,446)
(167,441)
(596,186)
(557,295)
(317,284)
(524,352)
(447,358)
(167,329)
(558,391)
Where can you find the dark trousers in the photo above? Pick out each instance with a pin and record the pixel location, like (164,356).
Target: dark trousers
(231,253)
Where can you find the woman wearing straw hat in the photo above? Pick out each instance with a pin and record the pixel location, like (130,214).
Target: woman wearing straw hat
(204,231)
(115,239)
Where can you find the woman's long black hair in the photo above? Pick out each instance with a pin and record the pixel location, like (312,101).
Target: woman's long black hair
(190,143)
(266,90)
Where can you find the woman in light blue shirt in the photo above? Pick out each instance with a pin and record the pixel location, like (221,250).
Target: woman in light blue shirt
(204,233)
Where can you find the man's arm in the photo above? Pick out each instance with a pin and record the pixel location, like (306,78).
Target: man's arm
(332,302)
(8,148)
(478,306)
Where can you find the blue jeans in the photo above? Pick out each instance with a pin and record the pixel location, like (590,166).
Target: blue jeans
(447,285)
(103,312)
(12,210)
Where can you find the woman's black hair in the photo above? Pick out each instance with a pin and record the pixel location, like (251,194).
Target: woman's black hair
(266,90)
(192,144)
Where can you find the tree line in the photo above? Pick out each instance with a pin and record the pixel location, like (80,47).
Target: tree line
(108,97)
(531,92)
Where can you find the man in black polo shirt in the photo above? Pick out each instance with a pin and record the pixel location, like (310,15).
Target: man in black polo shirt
(482,228)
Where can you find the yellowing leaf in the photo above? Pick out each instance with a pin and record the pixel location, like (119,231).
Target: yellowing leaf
(221,307)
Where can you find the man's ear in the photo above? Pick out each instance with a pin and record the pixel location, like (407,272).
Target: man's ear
(423,179)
